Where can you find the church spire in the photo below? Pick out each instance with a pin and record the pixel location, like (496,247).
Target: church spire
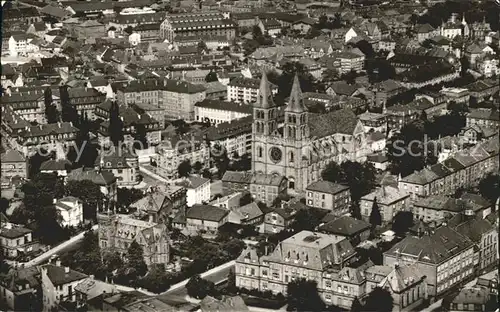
(296,102)
(265,98)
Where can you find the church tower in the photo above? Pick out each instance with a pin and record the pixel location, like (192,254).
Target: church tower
(296,114)
(265,123)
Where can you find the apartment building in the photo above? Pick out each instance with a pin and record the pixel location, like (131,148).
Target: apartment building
(217,111)
(267,187)
(58,284)
(354,230)
(444,256)
(124,167)
(177,149)
(20,289)
(50,136)
(28,104)
(234,136)
(13,164)
(347,61)
(457,95)
(85,100)
(198,190)
(211,23)
(246,90)
(401,115)
(177,98)
(483,117)
(304,255)
(15,240)
(386,90)
(205,218)
(71,211)
(390,201)
(236,181)
(439,207)
(328,195)
(463,169)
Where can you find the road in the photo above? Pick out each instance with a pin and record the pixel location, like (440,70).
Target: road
(216,275)
(49,253)
(436,306)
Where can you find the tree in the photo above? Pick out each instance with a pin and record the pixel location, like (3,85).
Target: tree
(4,204)
(140,137)
(401,222)
(184,168)
(115,125)
(231,281)
(211,76)
(246,199)
(489,187)
(206,174)
(284,81)
(306,219)
(356,305)
(135,259)
(157,280)
(127,196)
(379,300)
(359,177)
(330,75)
(375,216)
(51,112)
(202,46)
(197,166)
(303,295)
(355,210)
(90,194)
(199,288)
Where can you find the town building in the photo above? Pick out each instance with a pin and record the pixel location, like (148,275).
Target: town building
(246,90)
(161,203)
(236,181)
(58,284)
(305,254)
(198,190)
(202,24)
(439,207)
(217,112)
(124,167)
(13,164)
(330,196)
(20,289)
(390,201)
(50,136)
(249,214)
(104,179)
(205,219)
(356,231)
(444,256)
(467,299)
(266,187)
(15,240)
(483,117)
(85,100)
(71,211)
(177,98)
(118,231)
(235,137)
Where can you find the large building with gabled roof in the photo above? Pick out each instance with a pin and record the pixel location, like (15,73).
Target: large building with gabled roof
(306,143)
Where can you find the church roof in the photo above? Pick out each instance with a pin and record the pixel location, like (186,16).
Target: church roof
(265,98)
(296,102)
(339,121)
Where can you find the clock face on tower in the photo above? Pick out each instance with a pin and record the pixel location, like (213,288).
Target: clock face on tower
(275,154)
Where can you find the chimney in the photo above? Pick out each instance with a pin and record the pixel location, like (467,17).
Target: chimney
(59,124)
(66,270)
(58,262)
(54,201)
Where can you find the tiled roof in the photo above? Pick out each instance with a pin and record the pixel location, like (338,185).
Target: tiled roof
(252,83)
(14,232)
(439,202)
(249,211)
(237,177)
(341,121)
(230,129)
(267,179)
(343,88)
(59,276)
(177,86)
(386,195)
(478,296)
(403,277)
(345,226)
(436,248)
(475,229)
(48,129)
(326,187)
(12,156)
(487,114)
(99,178)
(195,182)
(206,212)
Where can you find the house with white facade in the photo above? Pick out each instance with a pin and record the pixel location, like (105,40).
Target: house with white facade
(198,190)
(71,210)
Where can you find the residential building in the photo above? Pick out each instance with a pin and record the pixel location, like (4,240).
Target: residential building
(124,167)
(175,97)
(177,149)
(489,281)
(341,288)
(118,231)
(12,164)
(356,231)
(90,29)
(90,290)
(386,90)
(217,111)
(373,122)
(104,179)
(330,196)
(15,240)
(485,237)
(206,219)
(161,202)
(58,284)
(230,201)
(71,211)
(235,137)
(401,115)
(60,166)
(210,23)
(444,256)
(266,187)
(467,299)
(198,190)
(347,61)
(483,117)
(426,31)
(463,169)
(280,218)
(26,104)
(305,254)
(236,181)
(51,136)
(20,289)
(457,95)
(407,285)
(390,201)
(22,44)
(85,100)
(246,90)
(482,89)
(226,303)
(439,207)
(249,214)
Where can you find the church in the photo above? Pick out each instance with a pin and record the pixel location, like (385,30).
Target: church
(300,147)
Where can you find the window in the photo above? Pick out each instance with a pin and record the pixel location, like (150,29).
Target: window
(259,151)
(328,284)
